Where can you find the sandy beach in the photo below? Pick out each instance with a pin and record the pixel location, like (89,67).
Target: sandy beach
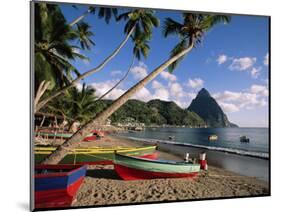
(102,186)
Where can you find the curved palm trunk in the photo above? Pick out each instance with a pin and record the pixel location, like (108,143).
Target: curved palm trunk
(38,106)
(75,21)
(74,141)
(40,91)
(118,83)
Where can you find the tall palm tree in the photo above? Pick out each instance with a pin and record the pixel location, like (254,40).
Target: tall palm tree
(75,105)
(53,49)
(138,21)
(141,49)
(192,30)
(84,34)
(105,13)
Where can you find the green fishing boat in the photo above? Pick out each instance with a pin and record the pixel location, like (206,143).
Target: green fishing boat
(133,168)
(94,155)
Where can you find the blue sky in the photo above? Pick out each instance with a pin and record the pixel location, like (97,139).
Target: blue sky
(231,64)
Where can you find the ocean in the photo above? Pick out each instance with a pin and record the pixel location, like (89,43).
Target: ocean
(250,159)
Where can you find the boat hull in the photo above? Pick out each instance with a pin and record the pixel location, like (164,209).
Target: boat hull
(127,173)
(96,156)
(56,190)
(65,136)
(133,168)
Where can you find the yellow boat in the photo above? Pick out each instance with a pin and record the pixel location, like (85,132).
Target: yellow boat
(95,155)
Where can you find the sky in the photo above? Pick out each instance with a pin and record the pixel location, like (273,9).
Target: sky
(231,63)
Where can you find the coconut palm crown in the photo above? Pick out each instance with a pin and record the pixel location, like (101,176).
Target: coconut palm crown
(54,47)
(191,31)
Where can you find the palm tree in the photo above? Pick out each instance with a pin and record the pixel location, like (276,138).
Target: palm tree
(141,48)
(105,13)
(84,34)
(138,21)
(192,30)
(76,105)
(53,51)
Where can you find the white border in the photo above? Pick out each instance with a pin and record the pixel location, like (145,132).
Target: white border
(14,82)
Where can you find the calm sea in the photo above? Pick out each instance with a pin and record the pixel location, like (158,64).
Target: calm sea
(250,159)
(228,138)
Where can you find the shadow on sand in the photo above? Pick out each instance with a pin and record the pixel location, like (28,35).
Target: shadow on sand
(103,173)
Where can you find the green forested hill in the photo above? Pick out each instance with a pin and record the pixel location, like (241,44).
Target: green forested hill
(203,111)
(156,112)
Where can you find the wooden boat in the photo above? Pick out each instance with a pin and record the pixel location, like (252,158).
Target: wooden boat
(212,137)
(53,134)
(133,168)
(95,155)
(171,137)
(56,185)
(244,139)
(65,135)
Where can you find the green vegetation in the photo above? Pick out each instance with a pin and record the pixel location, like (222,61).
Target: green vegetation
(154,112)
(55,52)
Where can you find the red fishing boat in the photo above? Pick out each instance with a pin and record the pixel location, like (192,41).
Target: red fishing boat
(135,168)
(56,185)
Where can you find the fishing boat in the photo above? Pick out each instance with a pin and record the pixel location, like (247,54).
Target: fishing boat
(212,137)
(56,185)
(65,135)
(171,137)
(96,155)
(133,168)
(244,139)
(54,134)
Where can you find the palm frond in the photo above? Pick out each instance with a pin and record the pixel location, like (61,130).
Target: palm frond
(177,49)
(171,27)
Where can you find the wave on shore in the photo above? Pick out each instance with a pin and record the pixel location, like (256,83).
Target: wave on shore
(263,155)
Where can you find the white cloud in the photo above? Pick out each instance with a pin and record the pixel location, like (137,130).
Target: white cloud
(227,96)
(156,84)
(79,86)
(176,89)
(259,89)
(265,61)
(231,101)
(103,87)
(228,107)
(160,91)
(143,95)
(140,71)
(173,91)
(167,76)
(195,83)
(115,73)
(222,59)
(255,72)
(242,63)
(162,94)
(191,95)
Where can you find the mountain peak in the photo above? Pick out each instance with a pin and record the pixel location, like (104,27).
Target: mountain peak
(203,92)
(209,110)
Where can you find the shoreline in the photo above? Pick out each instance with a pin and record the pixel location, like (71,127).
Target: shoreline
(102,186)
(218,149)
(238,163)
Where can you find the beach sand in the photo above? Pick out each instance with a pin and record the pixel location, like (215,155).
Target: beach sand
(102,186)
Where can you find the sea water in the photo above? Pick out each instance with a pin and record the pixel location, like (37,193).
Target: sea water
(227,152)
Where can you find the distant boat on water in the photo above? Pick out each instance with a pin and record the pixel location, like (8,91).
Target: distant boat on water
(171,137)
(244,139)
(213,137)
